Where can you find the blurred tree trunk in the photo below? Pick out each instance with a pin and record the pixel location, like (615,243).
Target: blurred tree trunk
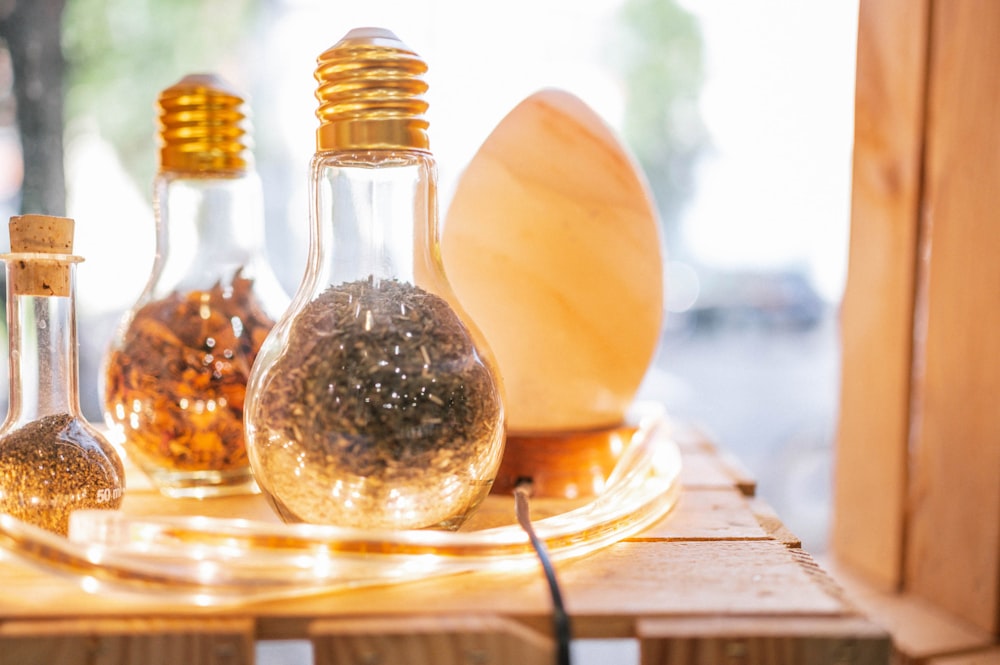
(31,29)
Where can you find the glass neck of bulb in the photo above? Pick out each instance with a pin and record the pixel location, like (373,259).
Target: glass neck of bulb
(375,217)
(43,353)
(208,226)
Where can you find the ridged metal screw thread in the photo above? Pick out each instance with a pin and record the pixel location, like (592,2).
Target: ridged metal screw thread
(370,94)
(203,127)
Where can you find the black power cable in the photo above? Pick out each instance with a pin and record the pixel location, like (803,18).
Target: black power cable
(560,619)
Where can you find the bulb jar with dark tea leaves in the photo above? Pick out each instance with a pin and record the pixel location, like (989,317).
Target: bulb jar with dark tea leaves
(374,403)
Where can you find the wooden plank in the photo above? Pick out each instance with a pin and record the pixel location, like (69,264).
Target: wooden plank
(984,657)
(709,515)
(877,310)
(691,438)
(606,593)
(920,629)
(953,549)
(741,477)
(207,641)
(441,640)
(767,640)
(708,466)
(706,470)
(28,592)
(772,524)
(251,507)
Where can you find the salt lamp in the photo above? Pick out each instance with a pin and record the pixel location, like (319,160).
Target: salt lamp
(552,243)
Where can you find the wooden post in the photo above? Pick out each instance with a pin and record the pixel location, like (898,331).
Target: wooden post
(953,544)
(877,310)
(917,490)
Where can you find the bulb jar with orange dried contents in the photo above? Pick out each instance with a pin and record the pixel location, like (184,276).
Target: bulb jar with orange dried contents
(175,373)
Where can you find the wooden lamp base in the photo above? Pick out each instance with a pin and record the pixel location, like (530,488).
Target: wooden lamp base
(566,465)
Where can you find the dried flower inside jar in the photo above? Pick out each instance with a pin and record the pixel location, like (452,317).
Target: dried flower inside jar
(175,385)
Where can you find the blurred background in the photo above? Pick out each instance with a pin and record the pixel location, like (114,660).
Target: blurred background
(740,114)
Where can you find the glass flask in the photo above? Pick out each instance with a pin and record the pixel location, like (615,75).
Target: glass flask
(175,372)
(52,461)
(374,403)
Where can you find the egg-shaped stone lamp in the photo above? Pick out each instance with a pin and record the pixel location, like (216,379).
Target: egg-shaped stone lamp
(552,243)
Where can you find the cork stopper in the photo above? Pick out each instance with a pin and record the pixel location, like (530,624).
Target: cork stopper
(44,234)
(41,255)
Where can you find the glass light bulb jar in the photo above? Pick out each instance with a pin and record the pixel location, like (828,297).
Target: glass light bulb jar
(52,461)
(374,403)
(175,372)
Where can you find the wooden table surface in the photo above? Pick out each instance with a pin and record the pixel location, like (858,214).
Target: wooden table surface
(720,580)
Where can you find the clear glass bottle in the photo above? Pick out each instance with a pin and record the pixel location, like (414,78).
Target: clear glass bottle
(175,372)
(374,403)
(52,461)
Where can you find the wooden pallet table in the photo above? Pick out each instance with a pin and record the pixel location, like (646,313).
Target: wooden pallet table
(719,580)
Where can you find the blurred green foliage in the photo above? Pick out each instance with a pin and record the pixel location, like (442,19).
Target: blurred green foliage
(659,50)
(121,53)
